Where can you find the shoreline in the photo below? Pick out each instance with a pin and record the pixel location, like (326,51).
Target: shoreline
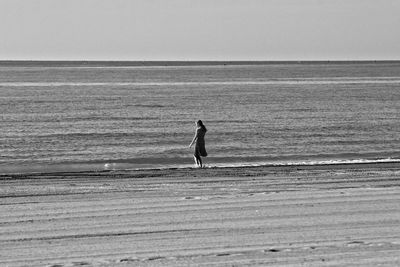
(323,166)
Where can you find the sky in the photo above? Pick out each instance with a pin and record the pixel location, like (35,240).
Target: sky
(199,30)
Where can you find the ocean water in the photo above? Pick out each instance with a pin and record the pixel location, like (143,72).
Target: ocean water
(76,116)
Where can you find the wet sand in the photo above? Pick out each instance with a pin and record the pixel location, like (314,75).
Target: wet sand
(338,215)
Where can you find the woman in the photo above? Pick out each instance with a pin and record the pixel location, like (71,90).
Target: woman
(200,149)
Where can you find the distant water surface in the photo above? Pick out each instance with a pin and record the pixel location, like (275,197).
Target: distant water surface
(83,117)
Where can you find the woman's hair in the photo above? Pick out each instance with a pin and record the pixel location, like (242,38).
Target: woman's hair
(200,123)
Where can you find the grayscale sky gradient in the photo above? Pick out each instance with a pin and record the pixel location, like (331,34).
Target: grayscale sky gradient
(200,29)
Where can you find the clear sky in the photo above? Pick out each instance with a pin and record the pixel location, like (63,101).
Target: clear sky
(200,29)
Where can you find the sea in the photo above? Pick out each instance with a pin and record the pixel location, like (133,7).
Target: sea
(96,116)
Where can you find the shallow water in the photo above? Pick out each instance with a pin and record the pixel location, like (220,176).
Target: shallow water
(57,117)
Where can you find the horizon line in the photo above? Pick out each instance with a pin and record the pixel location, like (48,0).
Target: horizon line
(190,62)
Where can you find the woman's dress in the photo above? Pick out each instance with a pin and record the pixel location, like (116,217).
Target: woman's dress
(200,149)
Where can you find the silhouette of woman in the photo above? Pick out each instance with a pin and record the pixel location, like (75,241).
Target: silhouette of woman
(200,148)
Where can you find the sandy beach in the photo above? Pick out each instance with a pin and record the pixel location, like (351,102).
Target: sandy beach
(333,215)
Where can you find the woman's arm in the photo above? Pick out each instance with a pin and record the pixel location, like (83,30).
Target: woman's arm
(194,139)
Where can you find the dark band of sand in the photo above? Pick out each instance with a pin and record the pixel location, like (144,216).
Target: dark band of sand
(340,215)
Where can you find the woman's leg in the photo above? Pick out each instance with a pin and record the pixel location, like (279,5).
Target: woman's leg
(197,160)
(200,162)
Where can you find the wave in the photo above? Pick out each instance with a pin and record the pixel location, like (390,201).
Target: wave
(289,81)
(172,163)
